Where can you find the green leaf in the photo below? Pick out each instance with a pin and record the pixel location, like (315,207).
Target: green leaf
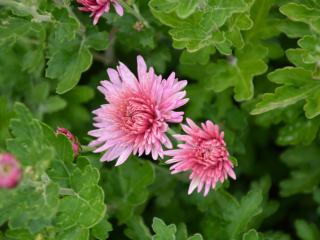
(19,234)
(54,104)
(163,231)
(14,28)
(196,30)
(298,85)
(5,115)
(54,192)
(128,36)
(299,131)
(80,94)
(74,233)
(305,174)
(229,217)
(88,198)
(97,40)
(29,207)
(306,231)
(126,189)
(136,229)
(294,29)
(102,229)
(66,26)
(250,206)
(310,45)
(235,72)
(301,13)
(251,235)
(34,61)
(67,64)
(186,8)
(28,135)
(200,57)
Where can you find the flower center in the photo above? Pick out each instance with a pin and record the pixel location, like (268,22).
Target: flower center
(210,152)
(5,170)
(138,115)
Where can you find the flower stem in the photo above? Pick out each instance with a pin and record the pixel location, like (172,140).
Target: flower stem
(171,132)
(85,149)
(134,10)
(66,191)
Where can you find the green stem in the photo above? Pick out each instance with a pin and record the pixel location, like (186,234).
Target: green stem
(66,191)
(26,9)
(134,10)
(171,132)
(85,149)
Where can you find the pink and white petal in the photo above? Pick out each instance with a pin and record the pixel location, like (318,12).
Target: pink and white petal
(118,8)
(124,156)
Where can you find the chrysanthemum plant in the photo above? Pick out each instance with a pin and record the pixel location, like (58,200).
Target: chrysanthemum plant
(160,119)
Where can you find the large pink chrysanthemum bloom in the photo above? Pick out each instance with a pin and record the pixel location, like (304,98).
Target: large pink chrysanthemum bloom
(10,171)
(99,7)
(204,153)
(74,141)
(136,118)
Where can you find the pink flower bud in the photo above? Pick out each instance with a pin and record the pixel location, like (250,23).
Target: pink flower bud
(74,141)
(10,171)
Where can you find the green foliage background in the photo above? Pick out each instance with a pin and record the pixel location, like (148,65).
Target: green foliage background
(253,67)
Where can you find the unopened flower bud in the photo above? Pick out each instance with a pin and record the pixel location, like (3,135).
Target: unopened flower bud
(74,141)
(10,171)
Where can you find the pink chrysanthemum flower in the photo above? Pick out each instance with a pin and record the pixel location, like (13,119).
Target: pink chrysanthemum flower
(10,171)
(204,153)
(136,118)
(74,141)
(99,7)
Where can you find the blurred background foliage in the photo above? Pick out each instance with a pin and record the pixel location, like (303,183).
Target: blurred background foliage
(253,67)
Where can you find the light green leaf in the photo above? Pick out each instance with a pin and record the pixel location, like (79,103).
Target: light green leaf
(301,13)
(136,229)
(299,131)
(306,231)
(102,229)
(163,231)
(66,26)
(74,233)
(88,198)
(250,206)
(97,40)
(54,104)
(126,189)
(67,64)
(251,235)
(298,85)
(196,30)
(238,72)
(186,8)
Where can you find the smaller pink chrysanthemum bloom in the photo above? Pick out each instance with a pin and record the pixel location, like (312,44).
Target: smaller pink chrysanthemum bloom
(204,153)
(138,112)
(74,141)
(99,7)
(10,171)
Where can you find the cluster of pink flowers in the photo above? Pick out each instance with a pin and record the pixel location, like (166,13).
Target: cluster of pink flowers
(135,121)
